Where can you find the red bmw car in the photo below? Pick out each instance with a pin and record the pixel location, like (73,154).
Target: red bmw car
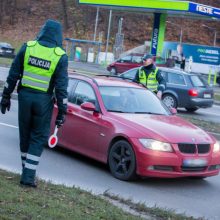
(126,126)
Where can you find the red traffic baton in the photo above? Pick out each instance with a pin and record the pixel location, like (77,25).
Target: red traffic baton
(52,142)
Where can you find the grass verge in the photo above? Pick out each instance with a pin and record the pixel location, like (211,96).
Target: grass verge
(6,62)
(217,96)
(206,125)
(155,212)
(50,201)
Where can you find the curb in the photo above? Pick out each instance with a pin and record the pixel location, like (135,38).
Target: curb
(216,135)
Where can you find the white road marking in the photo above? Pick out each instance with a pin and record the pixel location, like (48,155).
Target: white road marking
(8,125)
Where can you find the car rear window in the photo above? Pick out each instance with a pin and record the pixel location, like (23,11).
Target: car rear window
(126,59)
(137,59)
(197,81)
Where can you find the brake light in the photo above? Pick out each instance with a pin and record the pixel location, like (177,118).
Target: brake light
(193,92)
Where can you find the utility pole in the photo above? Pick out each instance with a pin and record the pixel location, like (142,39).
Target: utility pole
(96,23)
(109,27)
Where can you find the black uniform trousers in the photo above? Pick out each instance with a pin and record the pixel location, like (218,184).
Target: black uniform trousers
(34,115)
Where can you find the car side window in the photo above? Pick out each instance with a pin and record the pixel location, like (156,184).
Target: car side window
(84,93)
(70,88)
(126,59)
(136,59)
(175,78)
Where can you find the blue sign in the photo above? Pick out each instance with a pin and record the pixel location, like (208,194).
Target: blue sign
(155,34)
(204,10)
(200,53)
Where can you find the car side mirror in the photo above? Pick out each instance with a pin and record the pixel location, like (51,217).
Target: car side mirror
(88,106)
(173,111)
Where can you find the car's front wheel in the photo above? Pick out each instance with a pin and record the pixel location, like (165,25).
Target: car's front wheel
(122,161)
(170,101)
(192,109)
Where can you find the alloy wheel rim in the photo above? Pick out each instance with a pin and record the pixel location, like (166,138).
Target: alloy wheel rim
(122,160)
(168,101)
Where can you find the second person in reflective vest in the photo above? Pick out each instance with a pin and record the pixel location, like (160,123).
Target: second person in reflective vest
(150,76)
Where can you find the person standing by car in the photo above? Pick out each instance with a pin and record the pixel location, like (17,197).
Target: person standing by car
(182,62)
(40,66)
(151,76)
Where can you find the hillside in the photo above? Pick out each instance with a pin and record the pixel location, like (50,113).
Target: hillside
(20,20)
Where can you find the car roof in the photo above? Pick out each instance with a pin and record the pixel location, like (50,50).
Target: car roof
(105,80)
(175,70)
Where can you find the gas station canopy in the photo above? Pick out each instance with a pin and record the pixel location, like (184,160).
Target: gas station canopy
(169,7)
(161,9)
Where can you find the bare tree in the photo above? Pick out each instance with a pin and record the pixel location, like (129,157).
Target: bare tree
(1,11)
(65,15)
(13,11)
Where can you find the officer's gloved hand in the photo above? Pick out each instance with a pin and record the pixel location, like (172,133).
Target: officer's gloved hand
(159,94)
(60,120)
(5,103)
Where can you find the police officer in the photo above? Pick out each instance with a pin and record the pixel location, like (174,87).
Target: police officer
(151,76)
(40,66)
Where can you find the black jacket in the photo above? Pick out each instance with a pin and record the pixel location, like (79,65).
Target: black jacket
(148,69)
(49,36)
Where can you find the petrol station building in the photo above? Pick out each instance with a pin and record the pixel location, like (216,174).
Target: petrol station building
(161,10)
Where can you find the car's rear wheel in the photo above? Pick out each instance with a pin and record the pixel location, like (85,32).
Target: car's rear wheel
(113,71)
(122,161)
(170,101)
(192,109)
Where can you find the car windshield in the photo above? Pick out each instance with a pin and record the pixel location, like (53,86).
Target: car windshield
(198,81)
(131,100)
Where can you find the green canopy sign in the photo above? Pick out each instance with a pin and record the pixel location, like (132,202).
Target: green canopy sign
(153,4)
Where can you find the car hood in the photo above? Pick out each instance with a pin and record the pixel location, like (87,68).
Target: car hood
(172,129)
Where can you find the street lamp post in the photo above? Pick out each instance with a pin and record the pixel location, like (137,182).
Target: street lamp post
(96,23)
(215,33)
(107,41)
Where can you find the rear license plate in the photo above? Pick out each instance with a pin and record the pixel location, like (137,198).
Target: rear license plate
(194,162)
(207,96)
(8,51)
